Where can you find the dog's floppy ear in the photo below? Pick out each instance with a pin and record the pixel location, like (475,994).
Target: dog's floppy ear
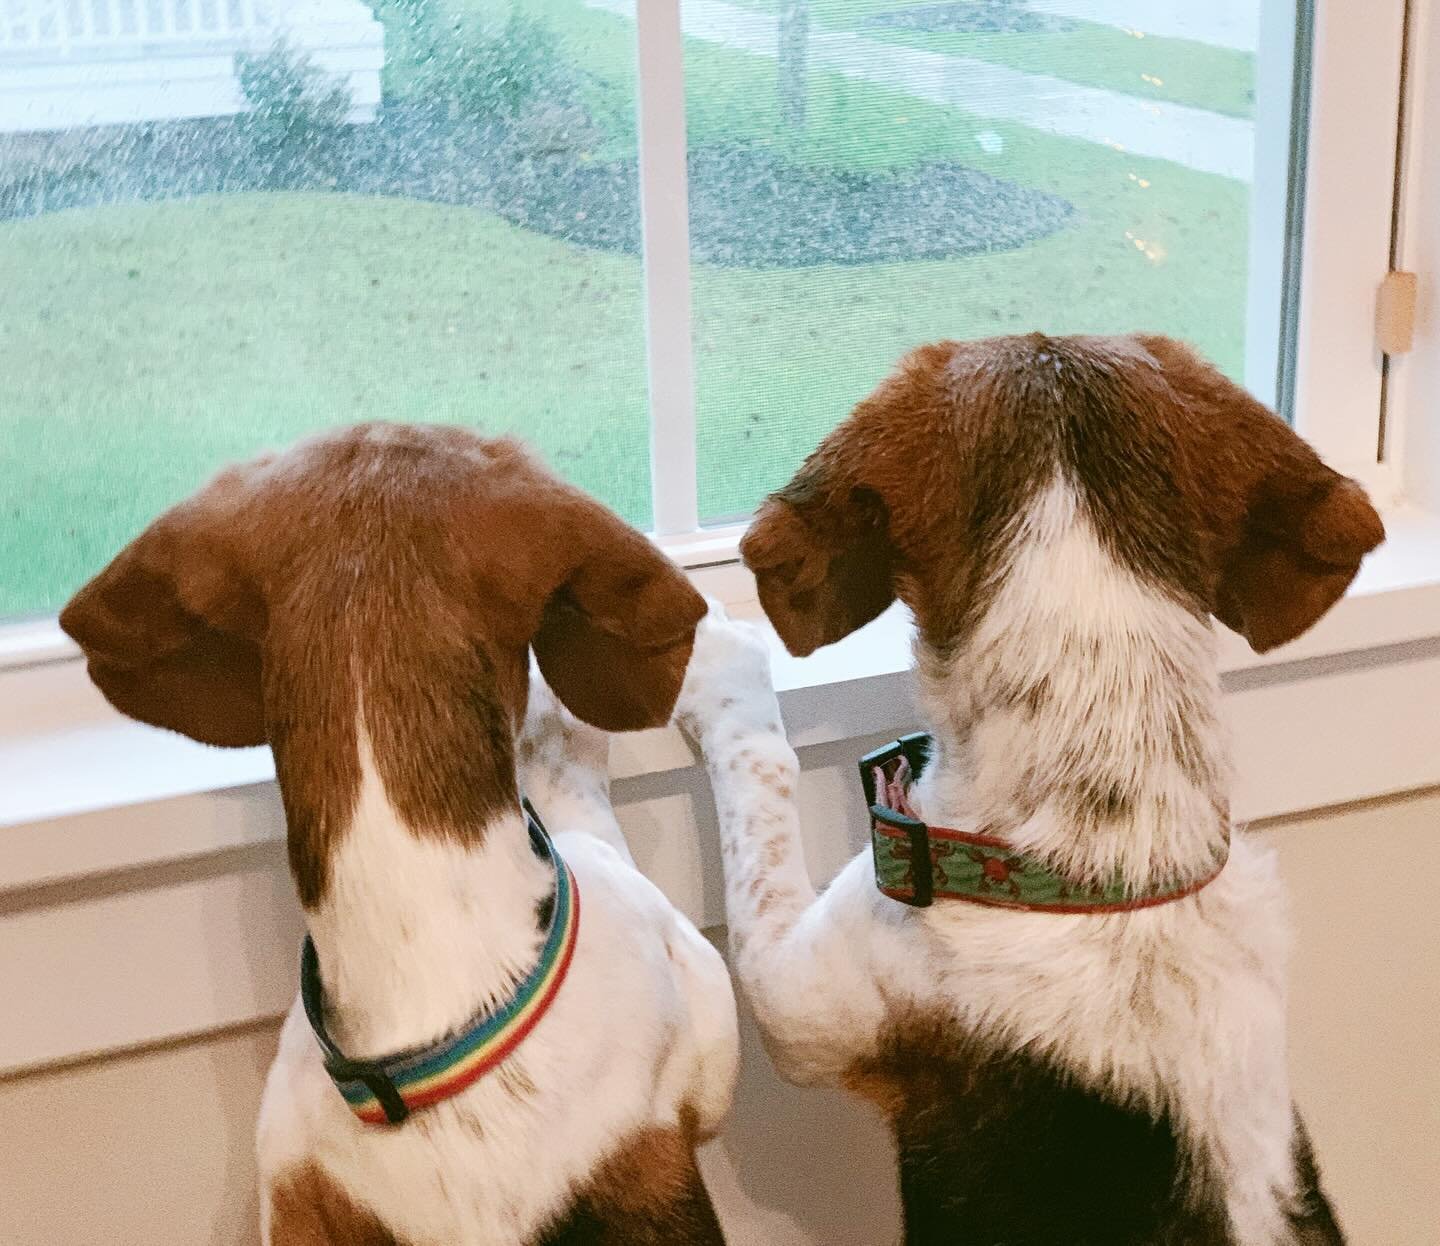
(171,630)
(821,552)
(1303,535)
(1290,532)
(615,637)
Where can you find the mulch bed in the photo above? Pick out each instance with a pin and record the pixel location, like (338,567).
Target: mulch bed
(971,17)
(749,207)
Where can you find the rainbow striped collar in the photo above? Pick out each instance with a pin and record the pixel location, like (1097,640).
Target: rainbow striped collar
(392,1087)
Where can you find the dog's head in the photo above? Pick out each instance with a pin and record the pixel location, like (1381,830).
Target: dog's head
(392,577)
(1188,481)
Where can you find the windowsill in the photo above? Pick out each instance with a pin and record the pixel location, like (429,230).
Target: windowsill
(84,788)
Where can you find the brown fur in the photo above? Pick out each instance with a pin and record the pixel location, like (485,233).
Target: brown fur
(648,1193)
(396,571)
(997,1146)
(1190,482)
(307,1208)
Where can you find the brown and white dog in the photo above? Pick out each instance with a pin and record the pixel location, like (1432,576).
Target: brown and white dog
(1062,517)
(365,604)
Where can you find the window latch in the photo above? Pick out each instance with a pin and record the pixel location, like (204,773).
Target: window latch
(1395,313)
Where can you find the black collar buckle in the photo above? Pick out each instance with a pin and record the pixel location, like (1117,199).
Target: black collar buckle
(914,749)
(338,1065)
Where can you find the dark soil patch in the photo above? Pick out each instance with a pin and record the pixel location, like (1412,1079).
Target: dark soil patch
(749,208)
(972,16)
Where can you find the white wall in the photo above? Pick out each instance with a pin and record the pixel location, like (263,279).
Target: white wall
(1365,1011)
(154,1149)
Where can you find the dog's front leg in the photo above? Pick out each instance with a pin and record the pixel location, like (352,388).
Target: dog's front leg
(564,769)
(728,707)
(795,955)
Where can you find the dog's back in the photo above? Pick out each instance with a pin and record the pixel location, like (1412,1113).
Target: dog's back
(1009,1149)
(1063,517)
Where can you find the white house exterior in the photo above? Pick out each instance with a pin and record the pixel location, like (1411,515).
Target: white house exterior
(66,63)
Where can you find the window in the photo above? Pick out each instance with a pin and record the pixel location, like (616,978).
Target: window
(253,246)
(668,241)
(867,175)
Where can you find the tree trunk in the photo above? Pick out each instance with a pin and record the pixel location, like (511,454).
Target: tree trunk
(794,51)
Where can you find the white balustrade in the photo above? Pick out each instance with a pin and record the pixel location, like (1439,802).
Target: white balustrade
(72,25)
(67,63)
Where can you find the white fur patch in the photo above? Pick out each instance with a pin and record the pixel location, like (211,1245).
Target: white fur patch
(1126,702)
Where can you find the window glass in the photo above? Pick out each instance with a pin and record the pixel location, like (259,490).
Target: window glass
(225,223)
(867,175)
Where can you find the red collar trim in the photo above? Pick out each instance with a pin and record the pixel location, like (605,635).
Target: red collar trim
(975,867)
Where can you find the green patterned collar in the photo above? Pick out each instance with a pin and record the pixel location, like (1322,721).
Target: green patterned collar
(965,865)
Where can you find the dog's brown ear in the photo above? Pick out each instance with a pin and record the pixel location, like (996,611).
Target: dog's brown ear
(1302,539)
(821,552)
(171,630)
(1289,531)
(615,638)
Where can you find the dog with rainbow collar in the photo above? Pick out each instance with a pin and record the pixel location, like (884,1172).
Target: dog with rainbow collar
(506,1036)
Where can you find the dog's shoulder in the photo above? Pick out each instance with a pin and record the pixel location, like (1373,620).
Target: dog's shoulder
(308,1206)
(1004,1147)
(648,1193)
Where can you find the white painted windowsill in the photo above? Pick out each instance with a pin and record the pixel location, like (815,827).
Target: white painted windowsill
(84,791)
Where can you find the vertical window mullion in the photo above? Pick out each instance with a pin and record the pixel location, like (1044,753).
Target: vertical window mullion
(665,229)
(1282,78)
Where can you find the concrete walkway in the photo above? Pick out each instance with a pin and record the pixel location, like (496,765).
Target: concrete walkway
(1224,23)
(1193,137)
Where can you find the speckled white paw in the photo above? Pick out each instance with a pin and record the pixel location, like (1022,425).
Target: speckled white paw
(554,739)
(728,678)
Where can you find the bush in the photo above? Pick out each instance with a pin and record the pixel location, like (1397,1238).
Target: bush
(495,75)
(297,113)
(543,129)
(412,28)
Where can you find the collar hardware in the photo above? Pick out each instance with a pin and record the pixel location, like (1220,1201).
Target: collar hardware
(917,864)
(388,1089)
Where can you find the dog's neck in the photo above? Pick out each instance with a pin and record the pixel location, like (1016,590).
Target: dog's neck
(1079,717)
(416,934)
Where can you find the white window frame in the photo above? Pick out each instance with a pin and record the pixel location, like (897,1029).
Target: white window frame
(1351,179)
(665,234)
(1412,391)
(53,723)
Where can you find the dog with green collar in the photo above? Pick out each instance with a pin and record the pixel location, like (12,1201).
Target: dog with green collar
(1057,967)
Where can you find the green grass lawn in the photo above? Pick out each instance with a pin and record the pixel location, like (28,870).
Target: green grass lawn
(144,346)
(1178,71)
